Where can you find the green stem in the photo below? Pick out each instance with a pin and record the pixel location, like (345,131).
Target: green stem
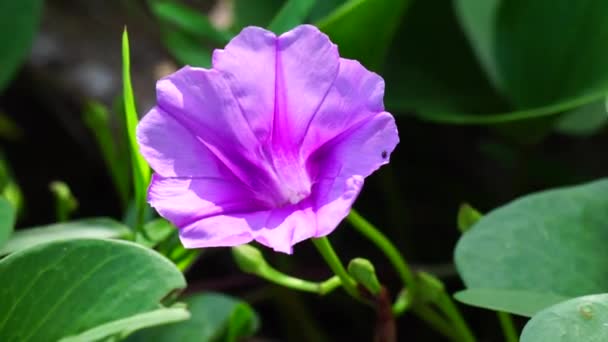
(508,328)
(321,288)
(383,243)
(446,304)
(333,261)
(436,321)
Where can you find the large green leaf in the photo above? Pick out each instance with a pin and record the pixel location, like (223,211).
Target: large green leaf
(364,29)
(7,220)
(18,24)
(432,71)
(293,13)
(132,323)
(215,317)
(64,288)
(549,242)
(99,228)
(523,303)
(577,320)
(548,51)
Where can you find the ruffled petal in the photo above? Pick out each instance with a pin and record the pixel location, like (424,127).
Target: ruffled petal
(345,161)
(248,63)
(307,65)
(174,151)
(282,228)
(216,231)
(202,102)
(184,200)
(356,95)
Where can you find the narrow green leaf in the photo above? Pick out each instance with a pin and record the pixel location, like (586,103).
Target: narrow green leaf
(7,220)
(131,324)
(186,49)
(585,120)
(100,228)
(188,20)
(467,217)
(115,154)
(141,171)
(579,319)
(65,288)
(215,317)
(518,302)
(18,24)
(549,242)
(364,29)
(65,202)
(292,14)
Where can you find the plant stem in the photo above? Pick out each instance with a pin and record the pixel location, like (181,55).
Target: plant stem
(436,321)
(508,328)
(446,304)
(333,261)
(321,288)
(383,243)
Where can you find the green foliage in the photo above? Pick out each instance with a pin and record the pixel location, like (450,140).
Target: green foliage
(7,220)
(141,171)
(98,228)
(467,217)
(18,24)
(364,29)
(364,273)
(65,288)
(65,202)
(519,302)
(579,319)
(550,242)
(115,155)
(215,317)
(292,14)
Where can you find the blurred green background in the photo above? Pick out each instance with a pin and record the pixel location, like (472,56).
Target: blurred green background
(494,99)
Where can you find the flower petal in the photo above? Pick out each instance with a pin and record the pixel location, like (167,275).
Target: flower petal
(345,161)
(307,65)
(279,82)
(173,151)
(284,227)
(216,231)
(184,200)
(248,63)
(357,94)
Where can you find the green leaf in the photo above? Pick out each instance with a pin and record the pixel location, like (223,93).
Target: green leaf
(18,24)
(214,318)
(579,319)
(549,51)
(155,232)
(584,121)
(65,288)
(9,189)
(99,228)
(7,220)
(186,49)
(519,302)
(256,13)
(292,14)
(141,171)
(467,217)
(552,241)
(114,152)
(432,70)
(133,323)
(364,273)
(188,20)
(364,29)
(65,202)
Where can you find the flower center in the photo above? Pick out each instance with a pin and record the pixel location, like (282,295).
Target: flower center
(292,183)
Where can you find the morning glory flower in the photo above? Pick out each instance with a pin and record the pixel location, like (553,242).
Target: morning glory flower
(271,144)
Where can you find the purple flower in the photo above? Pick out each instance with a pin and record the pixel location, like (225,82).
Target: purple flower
(272,144)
